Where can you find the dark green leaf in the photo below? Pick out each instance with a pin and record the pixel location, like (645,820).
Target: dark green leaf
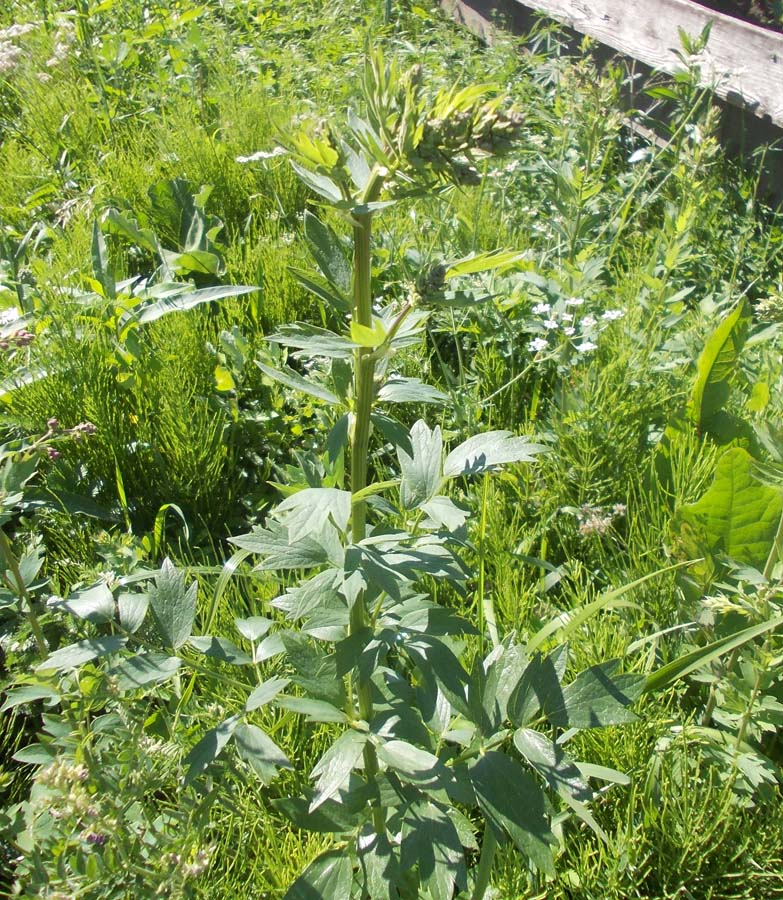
(315,670)
(414,764)
(538,687)
(260,751)
(330,817)
(173,605)
(75,655)
(29,693)
(334,767)
(209,748)
(279,550)
(379,865)
(595,698)
(265,693)
(421,470)
(488,450)
(321,289)
(320,184)
(328,253)
(144,668)
(430,840)
(314,710)
(328,878)
(550,761)
(220,648)
(512,802)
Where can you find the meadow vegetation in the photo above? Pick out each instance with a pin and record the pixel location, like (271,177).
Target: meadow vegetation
(391,487)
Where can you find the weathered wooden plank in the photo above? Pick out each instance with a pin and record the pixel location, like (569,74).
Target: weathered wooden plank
(743,61)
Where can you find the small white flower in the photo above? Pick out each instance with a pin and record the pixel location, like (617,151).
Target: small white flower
(9,315)
(575,301)
(537,344)
(262,154)
(588,321)
(567,317)
(586,346)
(612,315)
(569,330)
(540,308)
(550,323)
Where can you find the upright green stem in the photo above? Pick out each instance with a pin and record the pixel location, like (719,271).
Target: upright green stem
(9,557)
(364,375)
(486,861)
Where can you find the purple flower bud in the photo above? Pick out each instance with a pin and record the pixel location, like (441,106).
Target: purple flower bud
(52,453)
(53,424)
(98,839)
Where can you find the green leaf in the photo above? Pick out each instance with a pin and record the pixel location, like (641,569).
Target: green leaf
(314,670)
(144,668)
(410,390)
(737,516)
(702,656)
(331,817)
(314,710)
(309,510)
(483,262)
(220,648)
(95,604)
(189,299)
(334,767)
(512,802)
(421,470)
(254,627)
(29,693)
(319,184)
(265,693)
(328,878)
(538,687)
(132,610)
(173,605)
(444,513)
(296,382)
(550,761)
(717,365)
(379,865)
(279,550)
(328,252)
(100,262)
(321,289)
(75,655)
(309,340)
(595,698)
(124,226)
(430,840)
(209,748)
(416,765)
(486,451)
(259,750)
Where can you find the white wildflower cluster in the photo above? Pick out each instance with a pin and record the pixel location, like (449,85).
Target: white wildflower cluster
(597,520)
(64,39)
(563,319)
(10,52)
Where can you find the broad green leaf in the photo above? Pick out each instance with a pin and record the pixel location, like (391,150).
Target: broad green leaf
(75,655)
(328,252)
(124,226)
(437,662)
(265,693)
(100,262)
(95,604)
(220,648)
(483,262)
(414,764)
(322,290)
(717,365)
(254,627)
(485,451)
(319,184)
(314,670)
(331,817)
(378,865)
(421,470)
(737,516)
(280,552)
(512,802)
(368,337)
(550,761)
(260,751)
(310,340)
(296,382)
(410,390)
(209,748)
(147,667)
(392,431)
(173,605)
(702,656)
(189,299)
(595,698)
(328,878)
(132,609)
(430,840)
(444,513)
(224,380)
(29,693)
(314,710)
(309,510)
(36,754)
(334,767)
(538,687)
